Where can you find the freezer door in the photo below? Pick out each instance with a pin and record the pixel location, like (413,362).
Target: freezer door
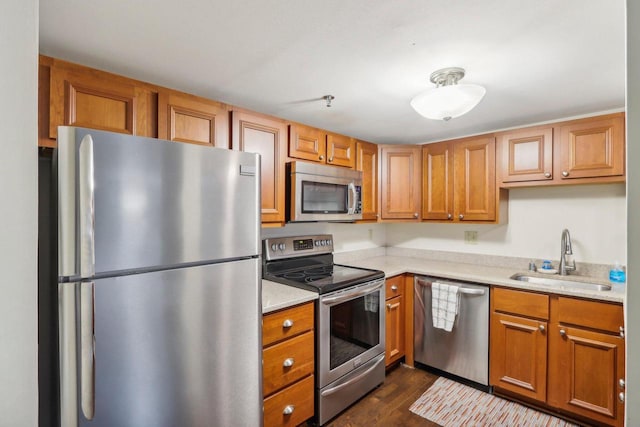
(173,348)
(129,202)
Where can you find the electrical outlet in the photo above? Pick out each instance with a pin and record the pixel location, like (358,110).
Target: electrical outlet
(471,237)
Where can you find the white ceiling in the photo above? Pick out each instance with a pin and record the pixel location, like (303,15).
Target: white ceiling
(539,60)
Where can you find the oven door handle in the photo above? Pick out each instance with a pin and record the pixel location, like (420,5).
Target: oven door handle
(339,387)
(354,294)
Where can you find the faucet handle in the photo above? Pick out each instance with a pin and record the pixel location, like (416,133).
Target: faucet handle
(532,266)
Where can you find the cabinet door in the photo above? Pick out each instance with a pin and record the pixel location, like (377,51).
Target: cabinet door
(187,118)
(400,183)
(526,155)
(306,143)
(585,378)
(518,355)
(341,150)
(394,347)
(592,148)
(83,97)
(267,137)
(475,179)
(367,163)
(437,181)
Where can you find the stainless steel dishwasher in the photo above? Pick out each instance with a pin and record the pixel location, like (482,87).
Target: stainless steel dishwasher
(464,351)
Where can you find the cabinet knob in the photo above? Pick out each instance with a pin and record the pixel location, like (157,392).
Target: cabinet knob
(449,216)
(394,288)
(547,175)
(621,331)
(541,327)
(288,362)
(330,159)
(621,397)
(461,216)
(621,383)
(415,214)
(288,410)
(287,323)
(563,333)
(388,306)
(321,157)
(565,173)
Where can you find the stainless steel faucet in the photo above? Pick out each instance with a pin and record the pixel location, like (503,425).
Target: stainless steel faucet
(565,249)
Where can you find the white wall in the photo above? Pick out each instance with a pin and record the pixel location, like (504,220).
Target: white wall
(594,214)
(632,321)
(18,213)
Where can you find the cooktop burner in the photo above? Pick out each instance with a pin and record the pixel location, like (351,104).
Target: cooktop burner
(307,263)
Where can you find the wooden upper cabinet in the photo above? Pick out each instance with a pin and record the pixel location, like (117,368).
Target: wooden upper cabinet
(266,136)
(316,145)
(85,97)
(188,118)
(437,181)
(307,143)
(400,185)
(367,163)
(474,179)
(341,150)
(526,154)
(592,147)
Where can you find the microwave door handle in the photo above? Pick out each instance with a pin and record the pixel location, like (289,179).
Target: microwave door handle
(354,197)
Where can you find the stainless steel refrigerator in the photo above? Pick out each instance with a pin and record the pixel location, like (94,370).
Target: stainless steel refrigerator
(159,296)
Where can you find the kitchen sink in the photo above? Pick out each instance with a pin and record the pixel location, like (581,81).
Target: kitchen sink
(563,283)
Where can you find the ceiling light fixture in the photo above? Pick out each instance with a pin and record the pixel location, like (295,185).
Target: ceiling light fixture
(448,99)
(328,98)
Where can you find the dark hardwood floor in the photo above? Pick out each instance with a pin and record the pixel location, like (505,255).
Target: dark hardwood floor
(388,405)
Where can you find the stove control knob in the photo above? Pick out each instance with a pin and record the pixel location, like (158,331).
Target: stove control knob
(317,242)
(281,246)
(322,243)
(329,242)
(274,247)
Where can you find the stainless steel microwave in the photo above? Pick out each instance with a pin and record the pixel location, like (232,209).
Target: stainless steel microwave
(323,193)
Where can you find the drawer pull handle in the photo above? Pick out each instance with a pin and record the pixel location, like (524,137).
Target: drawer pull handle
(541,327)
(394,288)
(288,410)
(287,323)
(563,333)
(288,362)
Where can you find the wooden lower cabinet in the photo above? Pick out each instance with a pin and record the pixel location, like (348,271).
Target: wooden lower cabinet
(567,354)
(395,307)
(288,366)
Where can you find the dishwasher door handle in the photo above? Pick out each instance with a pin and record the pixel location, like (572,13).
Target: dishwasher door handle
(471,291)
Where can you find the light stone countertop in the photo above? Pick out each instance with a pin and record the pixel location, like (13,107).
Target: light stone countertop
(276,296)
(498,276)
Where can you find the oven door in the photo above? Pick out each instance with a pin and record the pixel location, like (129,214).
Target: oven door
(334,195)
(351,325)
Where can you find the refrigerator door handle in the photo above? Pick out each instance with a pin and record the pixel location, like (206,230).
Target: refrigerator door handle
(87,349)
(86,207)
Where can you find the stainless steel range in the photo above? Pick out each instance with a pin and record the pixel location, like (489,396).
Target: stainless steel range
(350,317)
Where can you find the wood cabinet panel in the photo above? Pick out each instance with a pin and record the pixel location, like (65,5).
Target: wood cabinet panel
(187,118)
(280,325)
(474,181)
(526,154)
(585,377)
(519,355)
(84,97)
(521,303)
(400,182)
(291,406)
(287,362)
(268,137)
(341,150)
(306,143)
(367,163)
(437,181)
(394,329)
(592,148)
(591,314)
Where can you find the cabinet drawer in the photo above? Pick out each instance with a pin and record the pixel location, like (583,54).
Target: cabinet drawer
(287,362)
(287,323)
(298,398)
(394,286)
(522,303)
(591,314)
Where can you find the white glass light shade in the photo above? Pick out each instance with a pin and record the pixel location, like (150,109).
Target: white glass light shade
(447,102)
